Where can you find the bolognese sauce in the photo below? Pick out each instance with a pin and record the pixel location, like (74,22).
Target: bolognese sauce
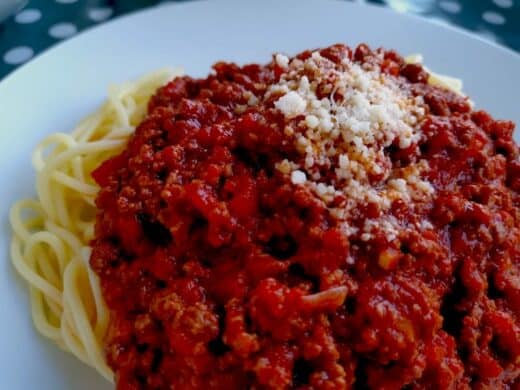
(327,221)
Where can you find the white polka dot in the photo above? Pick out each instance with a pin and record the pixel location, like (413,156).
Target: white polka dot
(66,1)
(452,7)
(18,55)
(27,16)
(493,17)
(62,30)
(100,14)
(504,3)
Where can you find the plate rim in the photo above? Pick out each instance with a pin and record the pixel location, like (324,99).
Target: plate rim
(25,67)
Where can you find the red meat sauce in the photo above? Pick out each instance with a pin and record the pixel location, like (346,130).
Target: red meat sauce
(220,273)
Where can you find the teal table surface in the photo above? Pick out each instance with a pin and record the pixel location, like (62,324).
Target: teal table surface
(39,24)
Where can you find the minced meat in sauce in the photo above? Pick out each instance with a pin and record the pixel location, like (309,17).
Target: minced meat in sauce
(227,265)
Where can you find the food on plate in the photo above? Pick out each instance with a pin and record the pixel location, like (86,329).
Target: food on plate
(337,219)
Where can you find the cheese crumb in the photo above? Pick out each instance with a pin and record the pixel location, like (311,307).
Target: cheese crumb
(298,177)
(282,60)
(291,104)
(312,121)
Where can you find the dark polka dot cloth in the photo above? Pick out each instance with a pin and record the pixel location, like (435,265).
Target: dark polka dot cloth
(38,24)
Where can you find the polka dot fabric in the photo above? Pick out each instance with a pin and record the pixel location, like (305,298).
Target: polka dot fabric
(43,23)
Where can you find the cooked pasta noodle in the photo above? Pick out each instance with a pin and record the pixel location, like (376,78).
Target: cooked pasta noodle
(437,79)
(51,234)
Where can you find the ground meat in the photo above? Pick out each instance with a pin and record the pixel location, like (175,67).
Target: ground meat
(220,272)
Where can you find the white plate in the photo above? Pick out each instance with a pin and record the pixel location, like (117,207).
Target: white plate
(58,88)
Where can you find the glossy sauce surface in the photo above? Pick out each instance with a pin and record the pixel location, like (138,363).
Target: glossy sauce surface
(221,273)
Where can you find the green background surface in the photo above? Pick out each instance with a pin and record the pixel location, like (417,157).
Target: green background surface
(495,20)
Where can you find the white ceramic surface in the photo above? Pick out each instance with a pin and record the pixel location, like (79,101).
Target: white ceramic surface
(54,91)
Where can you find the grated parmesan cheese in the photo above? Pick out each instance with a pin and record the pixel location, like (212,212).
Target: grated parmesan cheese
(347,133)
(298,177)
(291,104)
(281,60)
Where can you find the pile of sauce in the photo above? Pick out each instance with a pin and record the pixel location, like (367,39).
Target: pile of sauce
(223,272)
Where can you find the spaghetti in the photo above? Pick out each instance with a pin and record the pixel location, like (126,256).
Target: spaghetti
(49,247)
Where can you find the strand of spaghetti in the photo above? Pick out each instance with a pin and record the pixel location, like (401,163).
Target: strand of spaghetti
(82,148)
(87,199)
(59,197)
(21,226)
(70,339)
(45,264)
(89,123)
(46,280)
(129,103)
(40,318)
(74,184)
(115,100)
(77,168)
(49,248)
(52,196)
(101,310)
(29,274)
(50,239)
(86,334)
(65,235)
(121,132)
(52,309)
(56,140)
(45,195)
(31,224)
